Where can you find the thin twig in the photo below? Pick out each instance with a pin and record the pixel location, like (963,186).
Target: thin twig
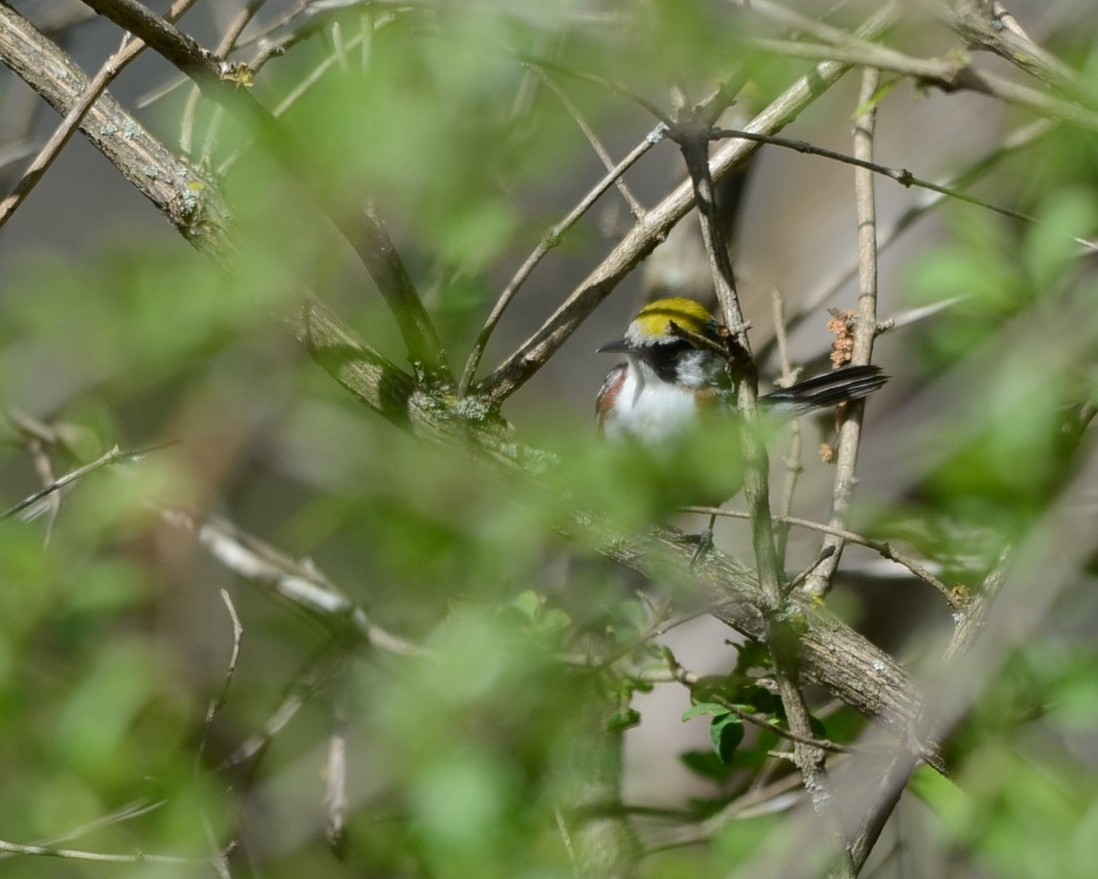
(900,175)
(948,75)
(304,687)
(831,285)
(547,243)
(635,207)
(335,795)
(778,796)
(49,506)
(691,680)
(112,456)
(128,812)
(218,702)
(881,547)
(793,464)
(300,88)
(375,248)
(220,860)
(517,368)
(566,840)
(222,51)
(990,26)
(810,758)
(608,84)
(300,583)
(14,848)
(865,331)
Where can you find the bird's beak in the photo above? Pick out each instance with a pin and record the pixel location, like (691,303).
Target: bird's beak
(621,346)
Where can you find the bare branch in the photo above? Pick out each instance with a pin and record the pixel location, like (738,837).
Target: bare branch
(112,456)
(192,203)
(218,702)
(640,241)
(224,47)
(831,653)
(810,305)
(635,206)
(366,233)
(793,464)
(335,797)
(299,583)
(14,848)
(376,250)
(304,688)
(881,547)
(691,680)
(864,332)
(547,243)
(990,26)
(901,175)
(69,125)
(949,75)
(809,756)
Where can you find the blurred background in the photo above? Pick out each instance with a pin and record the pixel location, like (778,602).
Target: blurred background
(114,637)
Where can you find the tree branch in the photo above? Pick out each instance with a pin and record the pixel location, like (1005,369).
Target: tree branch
(950,75)
(220,81)
(987,25)
(830,653)
(189,201)
(865,331)
(114,65)
(645,235)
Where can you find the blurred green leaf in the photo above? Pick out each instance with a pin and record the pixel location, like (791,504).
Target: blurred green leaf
(1051,247)
(704,709)
(726,734)
(706,764)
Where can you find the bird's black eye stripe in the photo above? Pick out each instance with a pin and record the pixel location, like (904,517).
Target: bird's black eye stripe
(664,357)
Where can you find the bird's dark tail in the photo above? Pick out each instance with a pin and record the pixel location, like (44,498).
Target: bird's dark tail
(826,390)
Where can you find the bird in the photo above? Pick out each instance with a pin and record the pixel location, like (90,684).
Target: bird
(675,371)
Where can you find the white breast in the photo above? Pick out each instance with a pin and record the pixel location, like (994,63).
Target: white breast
(648,409)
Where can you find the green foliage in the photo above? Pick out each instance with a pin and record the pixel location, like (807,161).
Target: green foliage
(522,661)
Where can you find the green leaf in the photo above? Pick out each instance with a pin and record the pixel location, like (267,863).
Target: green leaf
(703,708)
(554,620)
(1050,247)
(879,95)
(623,720)
(757,699)
(705,764)
(528,603)
(727,734)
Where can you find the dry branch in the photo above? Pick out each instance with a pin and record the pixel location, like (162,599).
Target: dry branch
(192,204)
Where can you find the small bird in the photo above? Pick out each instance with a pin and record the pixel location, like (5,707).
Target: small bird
(668,379)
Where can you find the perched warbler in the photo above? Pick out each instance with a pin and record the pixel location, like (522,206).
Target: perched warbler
(668,379)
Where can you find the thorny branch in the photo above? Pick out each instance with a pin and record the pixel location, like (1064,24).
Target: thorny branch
(69,125)
(882,547)
(808,755)
(182,194)
(366,232)
(531,355)
(864,332)
(643,237)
